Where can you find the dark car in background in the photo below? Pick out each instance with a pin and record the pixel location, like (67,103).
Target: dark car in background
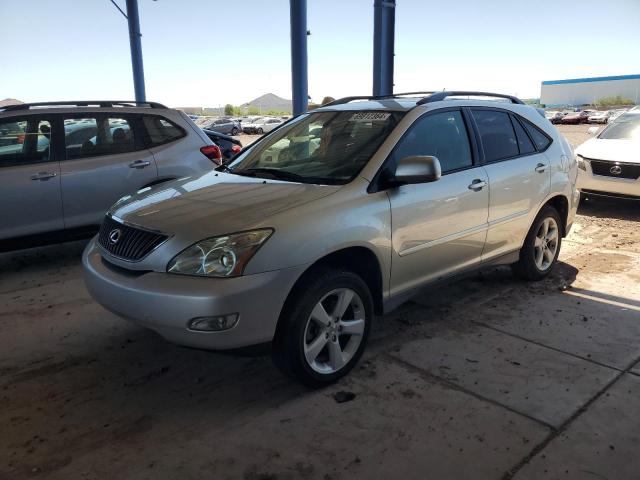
(228,145)
(554,117)
(224,125)
(575,118)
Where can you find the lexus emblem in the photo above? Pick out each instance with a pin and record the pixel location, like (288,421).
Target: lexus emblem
(114,236)
(616,169)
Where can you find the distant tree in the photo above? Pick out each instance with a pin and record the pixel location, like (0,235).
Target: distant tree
(612,101)
(278,113)
(253,110)
(229,110)
(326,100)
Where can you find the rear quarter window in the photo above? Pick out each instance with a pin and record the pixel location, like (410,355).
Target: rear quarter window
(524,142)
(159,130)
(540,139)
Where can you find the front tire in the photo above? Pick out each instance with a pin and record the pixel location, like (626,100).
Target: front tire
(260,131)
(234,132)
(324,327)
(541,247)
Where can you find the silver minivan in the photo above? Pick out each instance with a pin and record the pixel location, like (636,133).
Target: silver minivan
(336,216)
(63,164)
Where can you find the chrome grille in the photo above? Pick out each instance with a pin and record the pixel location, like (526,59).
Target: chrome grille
(127,242)
(623,170)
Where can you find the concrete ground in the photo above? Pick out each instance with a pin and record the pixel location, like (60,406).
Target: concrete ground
(487,378)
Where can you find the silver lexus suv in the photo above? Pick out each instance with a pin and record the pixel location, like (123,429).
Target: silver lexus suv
(63,164)
(336,216)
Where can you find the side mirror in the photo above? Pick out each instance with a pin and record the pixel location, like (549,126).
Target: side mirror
(416,169)
(593,130)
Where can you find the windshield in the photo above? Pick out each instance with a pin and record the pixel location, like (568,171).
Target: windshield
(626,127)
(323,147)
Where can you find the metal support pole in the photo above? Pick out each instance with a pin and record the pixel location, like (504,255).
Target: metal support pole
(136,50)
(299,85)
(384,19)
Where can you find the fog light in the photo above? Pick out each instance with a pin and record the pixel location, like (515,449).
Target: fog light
(214,324)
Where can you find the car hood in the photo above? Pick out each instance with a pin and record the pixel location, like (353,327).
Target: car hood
(613,150)
(214,204)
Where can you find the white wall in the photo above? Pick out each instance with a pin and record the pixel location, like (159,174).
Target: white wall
(588,92)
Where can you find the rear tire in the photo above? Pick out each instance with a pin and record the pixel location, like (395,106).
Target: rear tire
(323,329)
(260,131)
(541,247)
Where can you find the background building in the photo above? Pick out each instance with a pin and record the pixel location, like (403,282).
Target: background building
(586,91)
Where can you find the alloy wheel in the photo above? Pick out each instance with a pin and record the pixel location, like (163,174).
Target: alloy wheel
(546,243)
(334,331)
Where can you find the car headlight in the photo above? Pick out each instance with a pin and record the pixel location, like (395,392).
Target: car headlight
(582,165)
(223,256)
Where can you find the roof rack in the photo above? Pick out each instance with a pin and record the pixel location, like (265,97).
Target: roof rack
(84,103)
(341,101)
(438,96)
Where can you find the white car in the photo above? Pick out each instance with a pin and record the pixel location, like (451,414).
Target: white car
(609,164)
(600,117)
(262,125)
(616,113)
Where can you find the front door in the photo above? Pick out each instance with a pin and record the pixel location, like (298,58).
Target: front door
(105,160)
(438,228)
(30,201)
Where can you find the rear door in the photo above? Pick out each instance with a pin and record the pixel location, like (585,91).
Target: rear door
(30,199)
(438,228)
(105,160)
(519,175)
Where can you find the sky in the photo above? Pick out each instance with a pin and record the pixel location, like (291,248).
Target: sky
(212,52)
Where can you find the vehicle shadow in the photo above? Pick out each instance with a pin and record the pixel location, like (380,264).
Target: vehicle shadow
(609,207)
(40,265)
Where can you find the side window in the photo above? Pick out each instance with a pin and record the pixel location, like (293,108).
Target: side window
(443,135)
(94,136)
(24,141)
(498,138)
(159,130)
(524,142)
(540,139)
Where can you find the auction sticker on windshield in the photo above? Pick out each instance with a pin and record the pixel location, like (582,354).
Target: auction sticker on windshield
(369,117)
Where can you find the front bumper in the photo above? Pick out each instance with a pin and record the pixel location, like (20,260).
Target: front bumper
(600,183)
(166,303)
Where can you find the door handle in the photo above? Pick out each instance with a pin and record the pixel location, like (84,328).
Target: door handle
(140,164)
(43,175)
(541,168)
(477,185)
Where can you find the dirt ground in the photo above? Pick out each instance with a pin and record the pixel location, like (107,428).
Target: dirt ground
(487,378)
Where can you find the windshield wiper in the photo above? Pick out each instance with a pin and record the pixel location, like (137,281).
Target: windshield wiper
(274,172)
(225,168)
